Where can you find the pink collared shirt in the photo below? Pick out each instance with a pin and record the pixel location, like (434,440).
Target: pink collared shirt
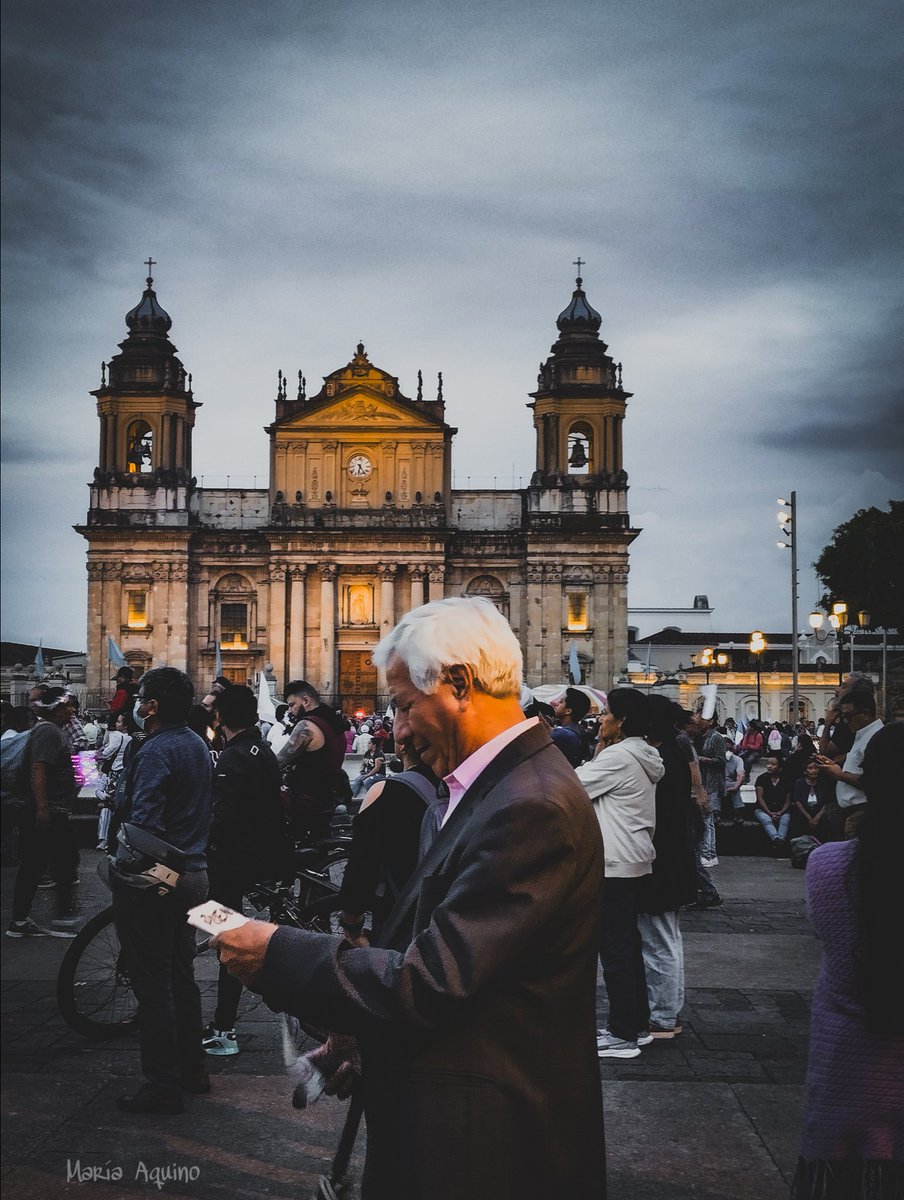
(459,780)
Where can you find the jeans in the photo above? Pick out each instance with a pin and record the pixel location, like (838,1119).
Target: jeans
(663,960)
(776,835)
(621,956)
(706,846)
(361,783)
(159,946)
(38,845)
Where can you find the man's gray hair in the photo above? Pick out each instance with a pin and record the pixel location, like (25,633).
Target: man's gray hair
(466,630)
(857,681)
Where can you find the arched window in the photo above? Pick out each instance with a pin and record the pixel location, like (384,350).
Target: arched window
(489,586)
(233,618)
(580,449)
(139,448)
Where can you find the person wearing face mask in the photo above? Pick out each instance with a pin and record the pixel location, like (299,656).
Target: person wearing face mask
(167,792)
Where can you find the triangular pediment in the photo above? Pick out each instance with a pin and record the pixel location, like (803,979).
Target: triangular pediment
(358,410)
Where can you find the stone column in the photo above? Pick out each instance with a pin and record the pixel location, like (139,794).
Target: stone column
(328,573)
(387,573)
(418,581)
(297,622)
(419,449)
(437,577)
(331,481)
(554,603)
(388,481)
(533,629)
(276,622)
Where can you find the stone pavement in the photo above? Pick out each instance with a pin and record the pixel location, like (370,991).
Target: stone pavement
(712,1115)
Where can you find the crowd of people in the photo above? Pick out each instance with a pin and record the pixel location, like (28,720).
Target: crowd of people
(502,849)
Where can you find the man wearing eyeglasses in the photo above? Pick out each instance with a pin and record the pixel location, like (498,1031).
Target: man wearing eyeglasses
(857,712)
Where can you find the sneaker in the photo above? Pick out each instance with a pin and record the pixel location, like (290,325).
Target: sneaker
(46,882)
(66,926)
(29,928)
(610,1046)
(664,1031)
(220,1042)
(709,862)
(645,1038)
(101,846)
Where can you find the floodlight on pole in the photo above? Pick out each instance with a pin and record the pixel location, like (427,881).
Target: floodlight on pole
(788,522)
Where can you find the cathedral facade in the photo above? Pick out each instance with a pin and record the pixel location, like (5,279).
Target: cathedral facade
(359,523)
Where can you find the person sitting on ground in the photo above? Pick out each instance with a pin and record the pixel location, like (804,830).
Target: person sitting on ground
(809,797)
(373,770)
(773,803)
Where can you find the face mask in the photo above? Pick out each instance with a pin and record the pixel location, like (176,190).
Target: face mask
(136,715)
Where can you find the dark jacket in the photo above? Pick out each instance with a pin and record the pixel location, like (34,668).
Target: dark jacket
(477,1021)
(384,847)
(166,790)
(673,881)
(249,834)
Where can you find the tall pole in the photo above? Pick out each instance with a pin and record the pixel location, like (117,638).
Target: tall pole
(759,702)
(795,648)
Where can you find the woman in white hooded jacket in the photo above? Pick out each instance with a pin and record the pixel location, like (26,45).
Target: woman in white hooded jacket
(621,781)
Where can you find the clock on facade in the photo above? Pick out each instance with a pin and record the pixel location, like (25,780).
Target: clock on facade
(359,466)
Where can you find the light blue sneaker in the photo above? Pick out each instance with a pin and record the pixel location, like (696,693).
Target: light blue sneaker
(220,1042)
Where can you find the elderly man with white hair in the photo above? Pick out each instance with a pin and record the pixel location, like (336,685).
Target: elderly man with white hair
(475,1012)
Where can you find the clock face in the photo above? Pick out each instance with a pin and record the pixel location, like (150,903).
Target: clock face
(359,466)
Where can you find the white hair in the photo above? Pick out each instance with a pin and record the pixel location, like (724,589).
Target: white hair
(466,630)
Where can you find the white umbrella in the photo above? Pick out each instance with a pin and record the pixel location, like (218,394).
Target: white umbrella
(551,691)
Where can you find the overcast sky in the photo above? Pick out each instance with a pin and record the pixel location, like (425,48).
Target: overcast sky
(421,176)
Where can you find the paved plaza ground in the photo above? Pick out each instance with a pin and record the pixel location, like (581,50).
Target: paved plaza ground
(713,1115)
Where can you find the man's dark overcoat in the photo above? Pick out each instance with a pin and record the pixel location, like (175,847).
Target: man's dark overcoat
(477,1020)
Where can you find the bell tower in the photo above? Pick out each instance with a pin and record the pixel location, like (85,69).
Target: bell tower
(147,413)
(144,509)
(579,404)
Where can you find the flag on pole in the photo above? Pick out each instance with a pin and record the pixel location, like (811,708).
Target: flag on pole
(649,650)
(574,665)
(115,655)
(39,660)
(266,710)
(708,692)
(218,669)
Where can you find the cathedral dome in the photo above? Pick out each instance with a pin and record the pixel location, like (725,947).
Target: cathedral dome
(579,316)
(147,316)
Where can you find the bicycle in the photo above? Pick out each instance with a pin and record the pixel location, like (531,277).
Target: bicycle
(94,989)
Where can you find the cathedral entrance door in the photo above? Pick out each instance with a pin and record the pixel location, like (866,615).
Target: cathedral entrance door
(357,681)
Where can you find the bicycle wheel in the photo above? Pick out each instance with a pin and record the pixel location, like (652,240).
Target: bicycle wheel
(322,880)
(94,991)
(321,915)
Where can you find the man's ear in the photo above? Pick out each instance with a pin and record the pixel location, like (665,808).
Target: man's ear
(461,680)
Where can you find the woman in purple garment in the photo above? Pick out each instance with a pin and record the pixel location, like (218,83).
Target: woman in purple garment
(852,1146)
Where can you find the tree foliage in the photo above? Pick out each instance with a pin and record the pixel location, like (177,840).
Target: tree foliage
(863,565)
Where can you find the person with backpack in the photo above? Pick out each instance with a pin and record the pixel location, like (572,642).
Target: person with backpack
(45,831)
(571,708)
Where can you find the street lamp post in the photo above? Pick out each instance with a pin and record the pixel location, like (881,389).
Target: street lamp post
(757,646)
(788,522)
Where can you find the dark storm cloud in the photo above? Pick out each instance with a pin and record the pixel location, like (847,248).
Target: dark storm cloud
(422,176)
